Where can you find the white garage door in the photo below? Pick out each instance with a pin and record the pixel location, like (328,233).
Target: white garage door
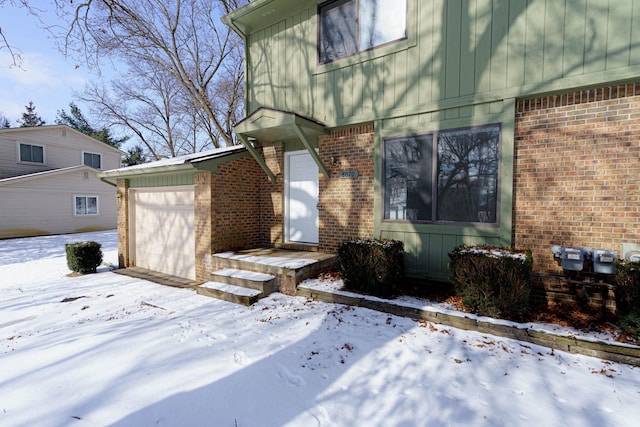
(163,230)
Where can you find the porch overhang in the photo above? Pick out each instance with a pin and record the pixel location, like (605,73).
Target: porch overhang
(266,124)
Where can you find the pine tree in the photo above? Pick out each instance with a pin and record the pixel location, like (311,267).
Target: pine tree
(78,121)
(30,118)
(135,156)
(4,122)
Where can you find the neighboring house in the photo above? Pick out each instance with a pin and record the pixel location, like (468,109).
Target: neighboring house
(49,183)
(437,123)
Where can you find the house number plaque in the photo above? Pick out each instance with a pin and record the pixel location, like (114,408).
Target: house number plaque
(348,174)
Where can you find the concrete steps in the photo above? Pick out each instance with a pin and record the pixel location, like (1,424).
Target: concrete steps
(229,293)
(262,271)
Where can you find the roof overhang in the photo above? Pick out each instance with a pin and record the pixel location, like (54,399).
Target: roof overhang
(191,163)
(259,14)
(266,124)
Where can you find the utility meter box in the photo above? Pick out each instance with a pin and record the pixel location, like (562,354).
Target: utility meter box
(604,261)
(573,259)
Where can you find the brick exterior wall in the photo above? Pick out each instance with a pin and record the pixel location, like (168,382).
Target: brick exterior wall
(202,224)
(576,173)
(122,202)
(272,195)
(346,205)
(235,206)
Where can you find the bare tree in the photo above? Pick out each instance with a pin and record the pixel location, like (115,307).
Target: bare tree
(14,52)
(181,40)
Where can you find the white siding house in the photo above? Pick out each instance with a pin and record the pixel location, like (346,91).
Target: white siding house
(49,183)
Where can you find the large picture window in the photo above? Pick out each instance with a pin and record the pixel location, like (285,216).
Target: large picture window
(86,205)
(31,153)
(351,26)
(446,176)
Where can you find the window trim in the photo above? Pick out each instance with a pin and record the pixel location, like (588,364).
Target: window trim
(26,162)
(434,185)
(94,154)
(86,196)
(382,49)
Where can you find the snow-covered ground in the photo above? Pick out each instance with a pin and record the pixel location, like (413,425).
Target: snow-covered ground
(105,349)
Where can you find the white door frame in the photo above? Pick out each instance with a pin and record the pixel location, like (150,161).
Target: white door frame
(287,160)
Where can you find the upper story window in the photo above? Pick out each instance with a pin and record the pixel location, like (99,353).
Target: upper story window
(31,153)
(92,159)
(446,176)
(351,26)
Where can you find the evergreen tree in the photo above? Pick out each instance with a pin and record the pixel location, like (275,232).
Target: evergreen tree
(30,118)
(4,122)
(135,156)
(76,120)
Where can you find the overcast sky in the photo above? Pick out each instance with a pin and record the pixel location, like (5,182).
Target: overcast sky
(46,77)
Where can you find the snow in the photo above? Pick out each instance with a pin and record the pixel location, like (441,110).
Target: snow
(274,261)
(242,274)
(126,352)
(232,289)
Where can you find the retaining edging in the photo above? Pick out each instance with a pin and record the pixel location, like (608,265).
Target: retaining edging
(616,352)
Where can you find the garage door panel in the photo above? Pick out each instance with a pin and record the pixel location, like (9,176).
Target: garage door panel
(164,231)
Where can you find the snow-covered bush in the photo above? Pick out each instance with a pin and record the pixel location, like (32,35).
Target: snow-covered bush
(83,257)
(492,281)
(372,266)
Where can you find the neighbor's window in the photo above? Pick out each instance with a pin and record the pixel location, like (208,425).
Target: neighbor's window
(92,159)
(351,26)
(31,153)
(446,176)
(86,205)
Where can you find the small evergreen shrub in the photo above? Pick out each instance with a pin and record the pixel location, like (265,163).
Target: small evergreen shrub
(627,286)
(628,297)
(83,257)
(372,266)
(492,281)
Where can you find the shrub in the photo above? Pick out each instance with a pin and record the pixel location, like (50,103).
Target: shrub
(628,297)
(372,266)
(83,257)
(492,281)
(627,286)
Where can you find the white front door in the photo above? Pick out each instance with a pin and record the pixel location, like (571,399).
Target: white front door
(301,198)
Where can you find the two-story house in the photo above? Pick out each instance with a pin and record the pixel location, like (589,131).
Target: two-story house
(49,183)
(438,123)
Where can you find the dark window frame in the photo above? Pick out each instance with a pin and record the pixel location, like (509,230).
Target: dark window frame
(328,5)
(31,147)
(93,156)
(434,168)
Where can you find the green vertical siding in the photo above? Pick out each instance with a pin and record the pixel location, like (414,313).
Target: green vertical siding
(167,180)
(459,51)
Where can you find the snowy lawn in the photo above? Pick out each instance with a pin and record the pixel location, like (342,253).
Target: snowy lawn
(105,349)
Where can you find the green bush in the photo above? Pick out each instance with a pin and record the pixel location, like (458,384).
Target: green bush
(83,257)
(627,286)
(628,297)
(492,281)
(372,266)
